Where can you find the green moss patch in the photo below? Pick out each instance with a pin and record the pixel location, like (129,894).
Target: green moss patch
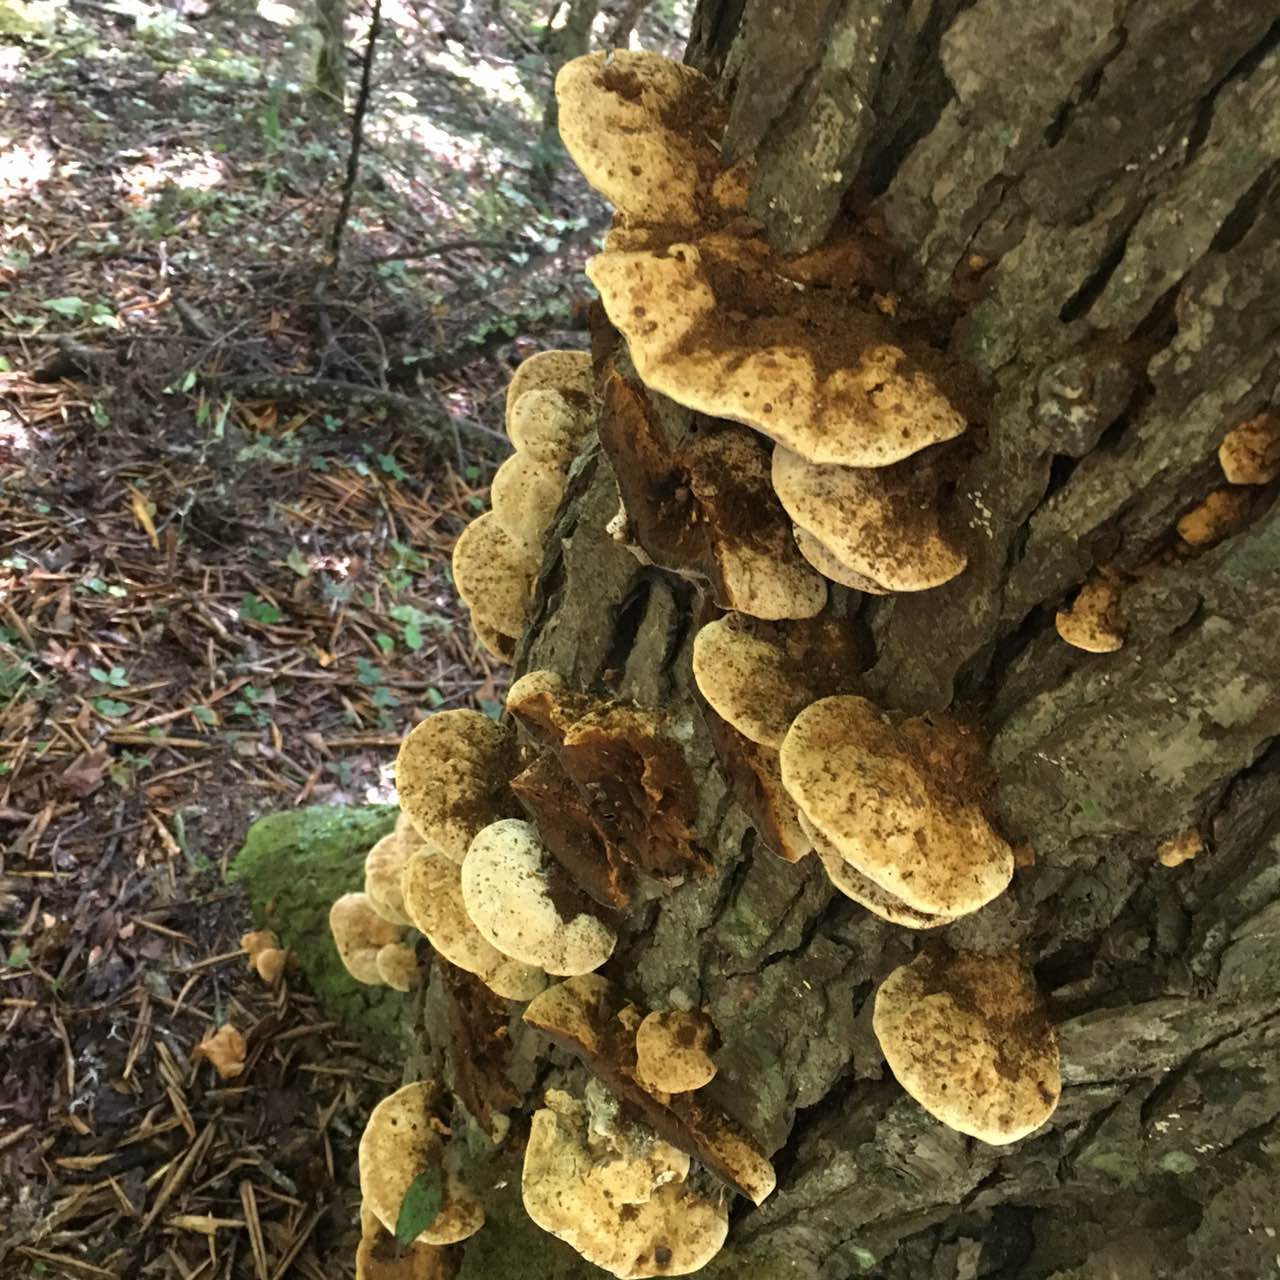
(295,865)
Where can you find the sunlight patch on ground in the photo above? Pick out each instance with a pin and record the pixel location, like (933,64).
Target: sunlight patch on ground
(189,170)
(15,437)
(282,15)
(23,167)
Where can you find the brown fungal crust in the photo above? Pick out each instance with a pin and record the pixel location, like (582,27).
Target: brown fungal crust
(452,773)
(720,326)
(759,676)
(902,803)
(583,1016)
(705,509)
(494,577)
(884,523)
(631,774)
(481,1047)
(1094,622)
(1250,454)
(557,809)
(967,1037)
(755,778)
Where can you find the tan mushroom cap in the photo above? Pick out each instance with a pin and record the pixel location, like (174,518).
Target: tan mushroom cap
(500,647)
(359,933)
(568,372)
(831,566)
(1218,516)
(1094,622)
(545,704)
(525,495)
(848,880)
(881,522)
(433,898)
(768,372)
(452,776)
(494,577)
(618,115)
(1250,454)
(760,574)
(270,963)
(759,679)
(673,1052)
(383,868)
(549,425)
(893,804)
(397,965)
(617,1195)
(1180,848)
(399,1143)
(515,893)
(379,1257)
(967,1037)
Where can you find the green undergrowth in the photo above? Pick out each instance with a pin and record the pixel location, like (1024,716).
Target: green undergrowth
(294,866)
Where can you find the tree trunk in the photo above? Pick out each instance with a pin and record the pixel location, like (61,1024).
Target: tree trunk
(329,76)
(1086,198)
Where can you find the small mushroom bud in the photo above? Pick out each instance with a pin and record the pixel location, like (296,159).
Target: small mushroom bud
(672,1052)
(1251,453)
(1094,622)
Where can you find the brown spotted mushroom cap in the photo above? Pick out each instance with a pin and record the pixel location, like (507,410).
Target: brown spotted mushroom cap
(549,426)
(966,1035)
(432,889)
(493,575)
(383,868)
(525,494)
(567,372)
(451,776)
(881,522)
(758,678)
(831,566)
(1251,453)
(359,933)
(397,965)
(1094,622)
(673,1052)
(617,1193)
(717,326)
(896,804)
(1218,516)
(399,1143)
(380,1257)
(524,905)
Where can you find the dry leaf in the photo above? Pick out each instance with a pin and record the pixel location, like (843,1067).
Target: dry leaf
(226,1049)
(83,776)
(142,514)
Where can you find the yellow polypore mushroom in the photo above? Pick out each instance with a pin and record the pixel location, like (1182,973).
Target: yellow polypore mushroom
(523,903)
(525,494)
(494,575)
(549,425)
(566,372)
(1180,848)
(897,803)
(617,1193)
(432,889)
(401,1142)
(359,933)
(452,775)
(1094,622)
(1251,453)
(884,522)
(380,1257)
(966,1035)
(673,1052)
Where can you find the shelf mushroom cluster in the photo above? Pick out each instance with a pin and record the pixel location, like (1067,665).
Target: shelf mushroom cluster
(803,350)
(496,558)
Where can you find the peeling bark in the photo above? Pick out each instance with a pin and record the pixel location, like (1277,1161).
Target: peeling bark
(1085,196)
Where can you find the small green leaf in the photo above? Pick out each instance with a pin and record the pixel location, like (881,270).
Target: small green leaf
(67,306)
(298,563)
(435,697)
(420,1206)
(119,592)
(206,715)
(20,955)
(386,643)
(387,461)
(101,418)
(368,672)
(189,381)
(252,609)
(413,636)
(111,707)
(491,708)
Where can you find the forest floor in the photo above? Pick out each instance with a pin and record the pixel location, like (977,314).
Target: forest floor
(231,472)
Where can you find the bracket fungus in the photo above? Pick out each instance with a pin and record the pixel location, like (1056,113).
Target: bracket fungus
(673,1052)
(588,1016)
(383,869)
(1094,622)
(568,373)
(1250,454)
(1217,517)
(759,676)
(494,575)
(380,1257)
(616,1193)
(831,566)
(397,965)
(549,426)
(402,1141)
(525,494)
(883,523)
(452,775)
(898,802)
(524,905)
(704,507)
(360,933)
(432,888)
(967,1036)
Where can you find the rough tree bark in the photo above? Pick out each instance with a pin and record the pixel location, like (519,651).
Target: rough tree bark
(1086,197)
